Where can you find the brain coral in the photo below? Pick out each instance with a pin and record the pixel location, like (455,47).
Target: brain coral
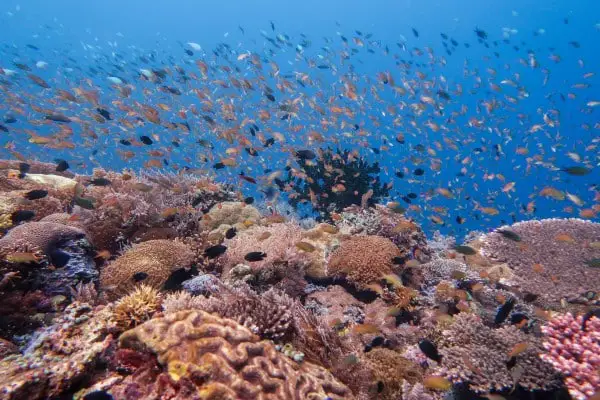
(38,236)
(150,262)
(559,246)
(363,260)
(224,360)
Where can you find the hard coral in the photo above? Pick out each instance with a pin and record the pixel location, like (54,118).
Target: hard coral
(574,350)
(559,247)
(382,221)
(38,236)
(390,368)
(60,355)
(476,354)
(137,307)
(363,260)
(224,360)
(229,214)
(151,262)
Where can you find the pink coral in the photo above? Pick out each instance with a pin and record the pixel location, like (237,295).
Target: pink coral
(559,246)
(575,352)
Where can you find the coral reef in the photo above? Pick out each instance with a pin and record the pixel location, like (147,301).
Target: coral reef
(363,260)
(59,356)
(476,354)
(229,214)
(150,262)
(573,348)
(137,307)
(224,360)
(551,258)
(38,236)
(389,369)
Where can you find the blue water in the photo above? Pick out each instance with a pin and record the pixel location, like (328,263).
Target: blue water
(74,34)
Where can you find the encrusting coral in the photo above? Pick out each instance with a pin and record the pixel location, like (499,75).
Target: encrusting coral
(150,262)
(224,360)
(363,260)
(573,348)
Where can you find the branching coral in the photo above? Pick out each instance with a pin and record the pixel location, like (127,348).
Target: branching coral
(574,350)
(224,360)
(363,260)
(479,355)
(137,307)
(550,259)
(150,262)
(60,355)
(335,180)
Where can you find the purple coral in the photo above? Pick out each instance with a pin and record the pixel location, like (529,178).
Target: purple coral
(575,352)
(559,247)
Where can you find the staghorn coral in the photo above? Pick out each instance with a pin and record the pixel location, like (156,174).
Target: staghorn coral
(156,259)
(224,360)
(363,260)
(59,356)
(229,214)
(575,352)
(559,247)
(137,307)
(476,354)
(390,368)
(38,236)
(382,221)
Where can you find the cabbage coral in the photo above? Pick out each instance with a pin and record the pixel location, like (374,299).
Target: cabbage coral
(573,348)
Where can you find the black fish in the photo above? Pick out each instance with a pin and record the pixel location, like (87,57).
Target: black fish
(230,233)
(189,52)
(376,342)
(509,234)
(399,260)
(59,258)
(511,362)
(255,256)
(21,216)
(98,395)
(10,120)
(125,142)
(269,142)
(23,169)
(104,113)
(399,174)
(517,318)
(219,165)
(146,140)
(215,251)
(419,171)
(3,128)
(197,201)
(430,350)
(61,165)
(466,250)
(481,33)
(412,195)
(504,311)
(415,32)
(36,194)
(459,219)
(249,200)
(84,202)
(58,118)
(251,151)
(306,154)
(270,96)
(139,276)
(100,182)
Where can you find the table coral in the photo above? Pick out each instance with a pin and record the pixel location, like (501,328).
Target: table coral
(558,248)
(575,352)
(150,262)
(59,356)
(363,260)
(224,360)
